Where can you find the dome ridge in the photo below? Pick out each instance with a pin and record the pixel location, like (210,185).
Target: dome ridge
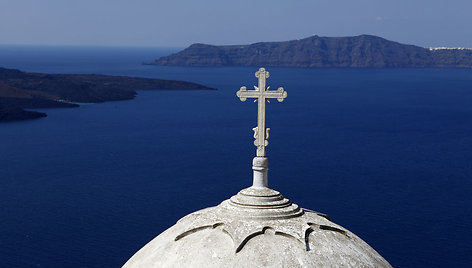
(233,220)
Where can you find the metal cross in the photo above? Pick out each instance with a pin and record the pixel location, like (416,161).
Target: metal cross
(261,94)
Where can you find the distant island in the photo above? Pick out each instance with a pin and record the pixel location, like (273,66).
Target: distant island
(363,51)
(20,90)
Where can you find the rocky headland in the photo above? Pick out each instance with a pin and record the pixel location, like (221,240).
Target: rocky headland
(363,51)
(20,90)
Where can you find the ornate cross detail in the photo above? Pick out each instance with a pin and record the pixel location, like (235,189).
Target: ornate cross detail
(261,95)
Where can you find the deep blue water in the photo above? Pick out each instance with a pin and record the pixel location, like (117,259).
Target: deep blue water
(386,153)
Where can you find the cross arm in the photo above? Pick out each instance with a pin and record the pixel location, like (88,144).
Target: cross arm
(280,94)
(243,94)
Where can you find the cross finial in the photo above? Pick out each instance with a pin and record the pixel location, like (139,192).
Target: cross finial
(261,93)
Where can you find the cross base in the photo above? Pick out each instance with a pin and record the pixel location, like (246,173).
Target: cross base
(260,167)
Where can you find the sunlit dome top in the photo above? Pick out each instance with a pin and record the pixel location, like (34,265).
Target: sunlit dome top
(257,227)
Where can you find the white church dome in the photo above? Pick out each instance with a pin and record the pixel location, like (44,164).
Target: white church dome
(258,227)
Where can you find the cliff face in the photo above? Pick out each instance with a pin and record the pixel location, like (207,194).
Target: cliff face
(363,51)
(20,90)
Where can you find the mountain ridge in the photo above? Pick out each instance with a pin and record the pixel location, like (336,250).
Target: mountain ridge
(363,51)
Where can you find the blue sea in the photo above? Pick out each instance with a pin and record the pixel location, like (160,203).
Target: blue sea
(385,152)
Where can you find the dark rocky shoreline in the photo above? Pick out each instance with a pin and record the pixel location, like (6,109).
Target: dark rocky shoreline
(20,90)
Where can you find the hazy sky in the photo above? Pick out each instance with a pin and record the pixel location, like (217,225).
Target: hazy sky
(181,23)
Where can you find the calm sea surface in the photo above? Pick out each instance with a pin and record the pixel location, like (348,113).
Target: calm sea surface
(386,153)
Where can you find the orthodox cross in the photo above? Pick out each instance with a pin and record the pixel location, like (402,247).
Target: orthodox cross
(261,95)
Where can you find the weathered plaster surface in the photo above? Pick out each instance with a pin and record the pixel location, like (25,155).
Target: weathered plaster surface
(240,232)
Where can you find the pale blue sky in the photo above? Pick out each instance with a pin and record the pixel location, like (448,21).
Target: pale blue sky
(181,23)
